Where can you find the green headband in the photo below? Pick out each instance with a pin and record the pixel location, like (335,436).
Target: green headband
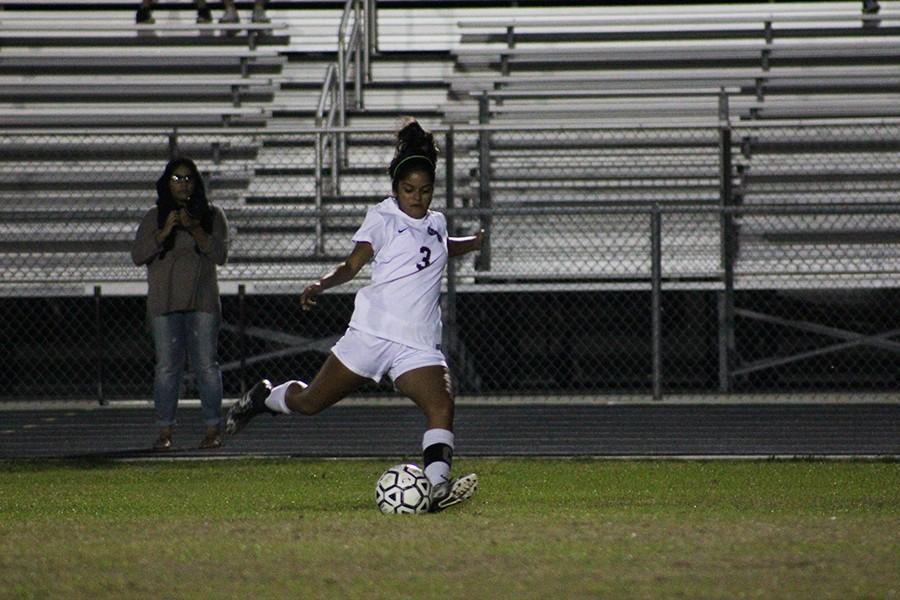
(410,157)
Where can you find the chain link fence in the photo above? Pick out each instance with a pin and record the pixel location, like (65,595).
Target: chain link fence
(753,259)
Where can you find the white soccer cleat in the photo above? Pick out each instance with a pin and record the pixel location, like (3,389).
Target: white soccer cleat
(453,492)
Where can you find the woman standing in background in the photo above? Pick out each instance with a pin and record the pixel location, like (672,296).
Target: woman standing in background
(181,240)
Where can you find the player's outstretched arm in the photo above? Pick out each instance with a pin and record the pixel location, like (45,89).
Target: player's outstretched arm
(362,253)
(457,246)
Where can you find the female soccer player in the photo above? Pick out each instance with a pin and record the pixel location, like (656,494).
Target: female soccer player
(396,322)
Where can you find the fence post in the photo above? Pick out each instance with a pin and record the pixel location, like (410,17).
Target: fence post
(98,345)
(484,182)
(320,184)
(336,142)
(450,170)
(728,249)
(656,297)
(451,338)
(242,336)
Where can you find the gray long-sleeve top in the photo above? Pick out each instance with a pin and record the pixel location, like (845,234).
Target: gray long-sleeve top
(185,278)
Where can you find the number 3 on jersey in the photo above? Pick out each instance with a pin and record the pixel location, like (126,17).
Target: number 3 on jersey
(426,258)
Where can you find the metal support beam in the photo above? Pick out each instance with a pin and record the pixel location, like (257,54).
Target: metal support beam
(775,362)
(242,335)
(484,183)
(98,345)
(451,336)
(656,297)
(851,340)
(320,184)
(728,249)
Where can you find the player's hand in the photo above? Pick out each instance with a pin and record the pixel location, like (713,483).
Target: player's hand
(307,298)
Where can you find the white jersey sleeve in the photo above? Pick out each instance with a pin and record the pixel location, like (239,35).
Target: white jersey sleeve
(373,230)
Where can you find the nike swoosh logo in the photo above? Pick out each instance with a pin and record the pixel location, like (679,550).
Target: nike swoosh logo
(402,230)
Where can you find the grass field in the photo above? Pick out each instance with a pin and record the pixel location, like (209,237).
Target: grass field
(535,529)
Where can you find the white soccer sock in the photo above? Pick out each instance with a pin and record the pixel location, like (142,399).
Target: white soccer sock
(437,451)
(276,402)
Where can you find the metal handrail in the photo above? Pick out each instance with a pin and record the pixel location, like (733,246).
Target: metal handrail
(326,85)
(356,44)
(359,45)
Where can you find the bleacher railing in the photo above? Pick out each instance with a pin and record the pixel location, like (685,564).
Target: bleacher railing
(356,41)
(766,17)
(624,261)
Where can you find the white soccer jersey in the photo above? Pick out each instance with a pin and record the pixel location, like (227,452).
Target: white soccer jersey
(402,303)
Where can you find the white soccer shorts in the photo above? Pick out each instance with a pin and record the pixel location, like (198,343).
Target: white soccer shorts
(372,356)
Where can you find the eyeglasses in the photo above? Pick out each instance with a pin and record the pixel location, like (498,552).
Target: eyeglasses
(177,178)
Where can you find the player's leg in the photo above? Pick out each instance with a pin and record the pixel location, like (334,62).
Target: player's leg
(169,346)
(356,358)
(430,387)
(202,343)
(332,383)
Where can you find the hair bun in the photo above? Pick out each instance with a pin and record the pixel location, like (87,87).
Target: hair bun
(411,134)
(413,140)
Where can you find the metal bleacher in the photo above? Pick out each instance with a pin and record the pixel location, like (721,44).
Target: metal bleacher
(851,163)
(790,61)
(590,106)
(93,105)
(649,86)
(553,175)
(90,107)
(94,69)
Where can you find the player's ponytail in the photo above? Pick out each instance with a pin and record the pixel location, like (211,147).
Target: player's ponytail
(415,150)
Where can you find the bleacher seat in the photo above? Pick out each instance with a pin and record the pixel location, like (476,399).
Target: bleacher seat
(844,163)
(644,69)
(775,62)
(92,103)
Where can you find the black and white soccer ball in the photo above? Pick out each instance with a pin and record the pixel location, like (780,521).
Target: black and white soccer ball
(403,489)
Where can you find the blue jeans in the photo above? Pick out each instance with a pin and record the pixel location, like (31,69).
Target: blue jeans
(197,334)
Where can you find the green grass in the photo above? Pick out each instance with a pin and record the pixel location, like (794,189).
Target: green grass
(535,529)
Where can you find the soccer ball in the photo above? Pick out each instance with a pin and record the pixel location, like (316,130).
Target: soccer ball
(403,489)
